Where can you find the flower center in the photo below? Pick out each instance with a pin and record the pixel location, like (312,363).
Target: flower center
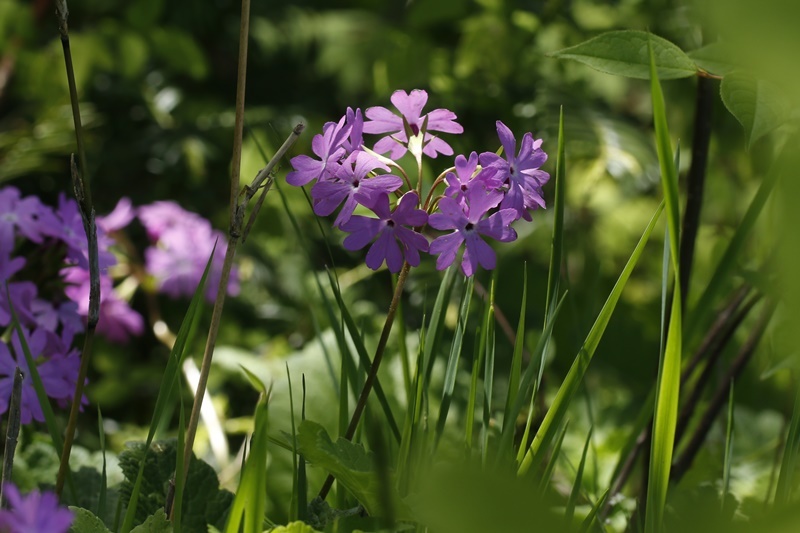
(390,223)
(464,187)
(469,226)
(355,184)
(414,129)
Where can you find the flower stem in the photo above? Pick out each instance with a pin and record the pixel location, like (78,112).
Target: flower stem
(373,370)
(12,432)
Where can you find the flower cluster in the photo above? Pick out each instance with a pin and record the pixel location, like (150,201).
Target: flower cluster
(483,194)
(46,283)
(33,513)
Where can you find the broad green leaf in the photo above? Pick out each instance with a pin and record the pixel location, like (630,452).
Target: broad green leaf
(86,522)
(758,105)
(156,523)
(669,375)
(624,53)
(349,463)
(558,410)
(294,527)
(715,58)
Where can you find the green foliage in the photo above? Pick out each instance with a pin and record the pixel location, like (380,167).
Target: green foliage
(716,58)
(624,53)
(156,523)
(758,105)
(204,502)
(86,522)
(352,466)
(294,527)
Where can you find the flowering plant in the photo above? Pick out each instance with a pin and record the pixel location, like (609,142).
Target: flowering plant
(482,194)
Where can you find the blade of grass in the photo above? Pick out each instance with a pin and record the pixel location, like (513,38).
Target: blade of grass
(669,375)
(12,432)
(293,504)
(551,465)
(488,378)
(576,486)
(101,500)
(434,331)
(791,451)
(726,468)
(249,504)
(515,373)
(302,479)
(363,356)
(180,482)
(169,386)
(452,360)
(472,399)
(592,516)
(555,415)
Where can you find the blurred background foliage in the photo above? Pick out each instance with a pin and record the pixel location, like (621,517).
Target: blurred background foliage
(157,82)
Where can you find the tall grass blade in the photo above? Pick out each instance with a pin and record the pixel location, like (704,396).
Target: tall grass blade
(472,399)
(452,360)
(488,379)
(169,385)
(363,357)
(101,499)
(434,331)
(180,481)
(576,486)
(293,509)
(669,375)
(557,243)
(250,503)
(551,465)
(302,479)
(726,469)
(515,374)
(558,410)
(592,516)
(791,451)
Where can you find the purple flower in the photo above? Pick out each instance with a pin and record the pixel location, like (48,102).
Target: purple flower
(460,183)
(21,294)
(117,321)
(33,513)
(57,366)
(328,147)
(184,244)
(468,224)
(353,186)
(50,316)
(410,106)
(355,121)
(74,236)
(120,217)
(28,215)
(389,227)
(520,172)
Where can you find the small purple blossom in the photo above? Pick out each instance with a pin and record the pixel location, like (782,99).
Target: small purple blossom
(355,121)
(328,147)
(520,172)
(33,513)
(464,179)
(74,236)
(353,186)
(410,106)
(28,216)
(468,224)
(57,366)
(390,228)
(121,216)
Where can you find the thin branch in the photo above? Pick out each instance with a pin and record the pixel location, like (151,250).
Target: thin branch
(684,462)
(704,106)
(373,370)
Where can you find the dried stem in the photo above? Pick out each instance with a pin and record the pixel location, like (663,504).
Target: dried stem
(696,179)
(373,370)
(12,432)
(83,193)
(684,462)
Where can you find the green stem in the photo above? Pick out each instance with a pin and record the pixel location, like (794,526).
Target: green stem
(373,370)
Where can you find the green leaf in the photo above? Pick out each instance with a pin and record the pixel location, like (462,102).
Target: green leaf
(204,503)
(715,58)
(758,105)
(86,522)
(294,527)
(349,463)
(558,410)
(156,523)
(624,53)
(576,486)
